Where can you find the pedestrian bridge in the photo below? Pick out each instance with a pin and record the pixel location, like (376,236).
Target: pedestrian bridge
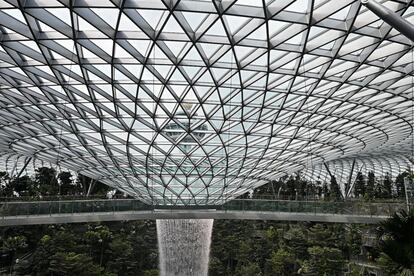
(95,210)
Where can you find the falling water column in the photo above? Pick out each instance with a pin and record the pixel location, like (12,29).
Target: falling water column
(184,246)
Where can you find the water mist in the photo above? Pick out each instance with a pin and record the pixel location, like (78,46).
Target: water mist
(184,246)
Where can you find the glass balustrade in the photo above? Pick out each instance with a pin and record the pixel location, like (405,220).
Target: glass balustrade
(119,205)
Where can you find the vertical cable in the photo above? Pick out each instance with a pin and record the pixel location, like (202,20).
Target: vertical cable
(412,108)
(64,106)
(229,123)
(412,127)
(64,110)
(309,156)
(153,144)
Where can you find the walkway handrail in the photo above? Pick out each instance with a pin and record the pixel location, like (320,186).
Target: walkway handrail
(33,208)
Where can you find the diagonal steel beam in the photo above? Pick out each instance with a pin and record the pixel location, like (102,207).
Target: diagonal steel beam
(348,185)
(395,20)
(24,166)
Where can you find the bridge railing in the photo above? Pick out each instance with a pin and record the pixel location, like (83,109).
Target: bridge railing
(70,207)
(119,205)
(318,207)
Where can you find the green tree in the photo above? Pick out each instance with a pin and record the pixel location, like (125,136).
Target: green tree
(387,186)
(325,235)
(290,190)
(360,188)
(46,181)
(283,262)
(325,190)
(71,263)
(397,243)
(370,188)
(383,189)
(4,180)
(228,239)
(323,261)
(66,184)
(334,190)
(23,186)
(59,239)
(300,186)
(297,241)
(98,238)
(399,184)
(144,243)
(273,234)
(12,245)
(249,269)
(354,240)
(216,266)
(120,256)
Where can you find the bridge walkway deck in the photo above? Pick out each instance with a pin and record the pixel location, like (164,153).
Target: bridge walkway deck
(71,211)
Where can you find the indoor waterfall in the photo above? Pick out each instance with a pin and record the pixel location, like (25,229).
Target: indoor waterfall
(184,246)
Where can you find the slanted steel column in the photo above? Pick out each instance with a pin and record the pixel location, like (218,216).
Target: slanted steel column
(24,167)
(407,183)
(90,188)
(14,167)
(355,179)
(348,185)
(328,170)
(396,21)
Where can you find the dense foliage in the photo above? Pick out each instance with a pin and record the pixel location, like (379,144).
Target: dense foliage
(272,248)
(238,247)
(83,249)
(397,243)
(130,248)
(366,187)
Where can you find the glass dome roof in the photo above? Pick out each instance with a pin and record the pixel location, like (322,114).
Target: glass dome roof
(199,101)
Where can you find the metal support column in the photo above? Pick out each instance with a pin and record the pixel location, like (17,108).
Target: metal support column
(90,188)
(329,171)
(14,168)
(394,20)
(348,185)
(408,192)
(333,177)
(24,167)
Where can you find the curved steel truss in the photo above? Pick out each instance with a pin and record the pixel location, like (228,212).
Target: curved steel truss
(194,101)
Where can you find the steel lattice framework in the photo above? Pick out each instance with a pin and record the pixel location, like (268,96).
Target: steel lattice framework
(195,101)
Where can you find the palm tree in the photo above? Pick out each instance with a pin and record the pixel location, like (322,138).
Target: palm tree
(397,243)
